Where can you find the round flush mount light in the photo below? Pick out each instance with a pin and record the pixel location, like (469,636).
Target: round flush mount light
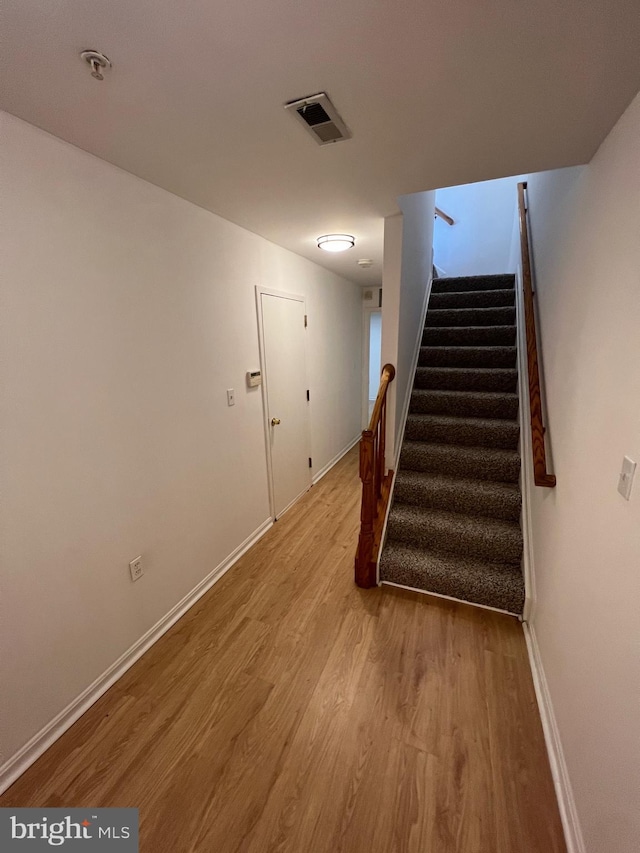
(336,242)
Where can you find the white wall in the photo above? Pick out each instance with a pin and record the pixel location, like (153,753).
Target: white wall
(407,268)
(127,314)
(585,227)
(375,341)
(479,243)
(391,281)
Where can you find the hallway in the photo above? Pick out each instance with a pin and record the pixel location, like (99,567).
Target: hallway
(291,711)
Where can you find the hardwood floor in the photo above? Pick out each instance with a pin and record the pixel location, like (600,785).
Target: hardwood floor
(291,711)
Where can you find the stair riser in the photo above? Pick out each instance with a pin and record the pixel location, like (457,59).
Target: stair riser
(464,380)
(469,356)
(469,336)
(431,459)
(471,283)
(470,406)
(493,589)
(447,496)
(472,299)
(502,434)
(471,317)
(458,540)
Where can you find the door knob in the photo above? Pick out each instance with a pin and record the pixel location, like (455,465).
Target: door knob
(275,421)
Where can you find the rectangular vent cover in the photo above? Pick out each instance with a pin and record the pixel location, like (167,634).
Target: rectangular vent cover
(320,118)
(313,114)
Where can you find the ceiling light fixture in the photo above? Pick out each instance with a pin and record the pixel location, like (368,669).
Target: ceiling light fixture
(97,62)
(336,242)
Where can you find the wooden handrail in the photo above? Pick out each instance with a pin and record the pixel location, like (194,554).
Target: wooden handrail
(376,485)
(444,216)
(541,476)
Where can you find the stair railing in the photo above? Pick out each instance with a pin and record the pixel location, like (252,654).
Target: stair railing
(376,485)
(541,476)
(444,216)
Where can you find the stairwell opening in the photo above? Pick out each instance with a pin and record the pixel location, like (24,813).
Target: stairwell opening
(454,527)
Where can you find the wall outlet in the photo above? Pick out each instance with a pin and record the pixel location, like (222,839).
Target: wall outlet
(136,569)
(231,397)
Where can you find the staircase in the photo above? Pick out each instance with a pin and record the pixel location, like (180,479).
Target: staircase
(454,527)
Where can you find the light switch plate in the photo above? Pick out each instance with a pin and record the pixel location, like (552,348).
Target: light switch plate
(231,397)
(625,481)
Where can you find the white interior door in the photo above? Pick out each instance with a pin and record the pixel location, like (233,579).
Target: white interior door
(283,341)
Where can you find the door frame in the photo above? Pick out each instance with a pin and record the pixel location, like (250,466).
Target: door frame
(297,297)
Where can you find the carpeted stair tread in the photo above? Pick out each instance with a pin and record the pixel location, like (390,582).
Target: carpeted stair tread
(469,579)
(469,336)
(473,282)
(453,460)
(467,378)
(446,429)
(473,404)
(470,317)
(454,525)
(483,498)
(468,356)
(472,299)
(455,533)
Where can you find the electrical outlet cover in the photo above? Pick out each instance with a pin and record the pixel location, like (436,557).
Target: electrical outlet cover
(136,568)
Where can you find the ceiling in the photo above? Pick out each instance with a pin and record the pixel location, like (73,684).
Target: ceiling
(435,93)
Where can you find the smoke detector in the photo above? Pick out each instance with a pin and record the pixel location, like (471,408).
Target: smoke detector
(365,263)
(97,62)
(320,118)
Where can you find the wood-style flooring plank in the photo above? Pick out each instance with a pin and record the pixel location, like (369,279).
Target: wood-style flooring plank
(290,711)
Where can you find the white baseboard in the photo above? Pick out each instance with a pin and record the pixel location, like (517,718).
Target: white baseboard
(33,749)
(559,771)
(399,437)
(335,460)
(526,456)
(385,524)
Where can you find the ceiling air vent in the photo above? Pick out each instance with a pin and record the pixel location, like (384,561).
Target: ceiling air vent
(320,118)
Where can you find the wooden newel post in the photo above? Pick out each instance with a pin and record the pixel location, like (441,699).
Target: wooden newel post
(365,568)
(376,486)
